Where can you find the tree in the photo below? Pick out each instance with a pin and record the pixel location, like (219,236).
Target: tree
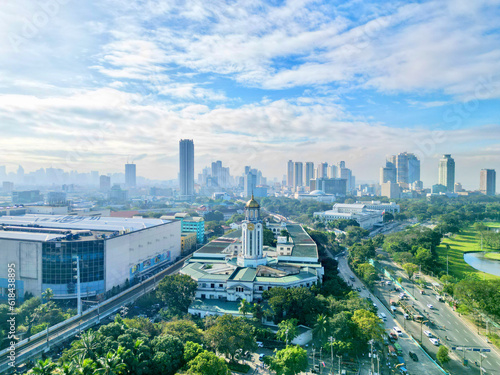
(44,367)
(229,334)
(245,307)
(368,325)
(88,345)
(289,361)
(320,330)
(185,330)
(257,311)
(177,291)
(424,258)
(287,330)
(442,354)
(207,363)
(191,350)
(410,269)
(47,294)
(387,217)
(169,354)
(111,364)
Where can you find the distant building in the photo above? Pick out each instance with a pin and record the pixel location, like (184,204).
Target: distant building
(47,210)
(188,242)
(377,205)
(309,172)
(458,187)
(447,172)
(56,198)
(104,183)
(336,186)
(186,166)
(487,181)
(322,170)
(7,186)
(189,224)
(316,195)
(117,195)
(390,190)
(298,179)
(130,175)
(365,217)
(250,183)
(439,189)
(289,174)
(28,196)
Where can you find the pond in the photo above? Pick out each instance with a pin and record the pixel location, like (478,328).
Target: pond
(480,263)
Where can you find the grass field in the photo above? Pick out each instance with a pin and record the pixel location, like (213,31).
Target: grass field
(494,256)
(466,241)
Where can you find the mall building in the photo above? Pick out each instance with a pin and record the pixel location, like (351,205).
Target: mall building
(110,250)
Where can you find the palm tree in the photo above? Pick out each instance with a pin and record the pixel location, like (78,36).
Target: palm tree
(83,366)
(320,329)
(245,307)
(112,364)
(44,367)
(47,294)
(87,345)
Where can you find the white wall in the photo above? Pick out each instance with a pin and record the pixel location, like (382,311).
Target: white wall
(123,252)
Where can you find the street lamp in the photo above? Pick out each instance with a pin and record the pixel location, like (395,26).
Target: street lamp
(421,323)
(331,339)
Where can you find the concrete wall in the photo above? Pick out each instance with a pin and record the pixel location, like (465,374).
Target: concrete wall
(125,251)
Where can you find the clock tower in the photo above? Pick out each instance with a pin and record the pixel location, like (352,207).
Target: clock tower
(252,239)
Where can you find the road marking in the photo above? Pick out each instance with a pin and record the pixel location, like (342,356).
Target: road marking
(466,339)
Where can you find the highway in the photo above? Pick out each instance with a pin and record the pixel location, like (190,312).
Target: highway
(424,365)
(27,350)
(446,323)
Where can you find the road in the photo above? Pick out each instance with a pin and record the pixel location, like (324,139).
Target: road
(447,323)
(28,350)
(424,366)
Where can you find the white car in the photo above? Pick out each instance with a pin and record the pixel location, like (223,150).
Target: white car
(430,306)
(398,331)
(428,334)
(382,316)
(434,341)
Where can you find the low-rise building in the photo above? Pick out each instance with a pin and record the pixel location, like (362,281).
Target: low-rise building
(188,242)
(189,224)
(365,217)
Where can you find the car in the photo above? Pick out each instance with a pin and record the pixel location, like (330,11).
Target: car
(434,340)
(382,317)
(260,344)
(428,334)
(413,356)
(430,306)
(262,356)
(393,336)
(363,287)
(387,283)
(406,316)
(358,289)
(398,331)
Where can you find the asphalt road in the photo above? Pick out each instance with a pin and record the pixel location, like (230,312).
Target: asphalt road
(424,366)
(447,323)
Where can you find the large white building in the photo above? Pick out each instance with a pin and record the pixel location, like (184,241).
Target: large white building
(237,266)
(110,250)
(365,217)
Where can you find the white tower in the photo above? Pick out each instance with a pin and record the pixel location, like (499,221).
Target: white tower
(252,239)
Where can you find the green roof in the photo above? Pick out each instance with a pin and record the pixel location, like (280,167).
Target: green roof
(194,270)
(217,306)
(244,274)
(304,245)
(307,273)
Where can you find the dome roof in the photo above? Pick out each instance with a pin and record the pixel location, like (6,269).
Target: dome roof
(252,203)
(317,192)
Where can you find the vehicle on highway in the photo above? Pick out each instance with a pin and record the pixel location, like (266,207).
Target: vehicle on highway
(439,298)
(393,336)
(403,370)
(382,316)
(394,309)
(430,306)
(392,350)
(428,334)
(434,340)
(352,278)
(398,348)
(363,287)
(406,316)
(398,331)
(413,356)
(358,289)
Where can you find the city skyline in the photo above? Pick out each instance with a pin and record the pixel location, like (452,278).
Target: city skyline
(308,81)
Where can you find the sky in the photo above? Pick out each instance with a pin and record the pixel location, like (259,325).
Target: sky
(88,85)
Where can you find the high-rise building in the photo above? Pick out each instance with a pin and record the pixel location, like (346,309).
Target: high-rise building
(250,183)
(487,181)
(402,168)
(186,166)
(447,172)
(298,179)
(346,174)
(323,170)
(309,172)
(289,175)
(333,172)
(104,183)
(413,169)
(337,186)
(130,176)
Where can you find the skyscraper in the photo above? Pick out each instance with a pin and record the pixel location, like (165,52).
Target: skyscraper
(298,179)
(487,181)
(186,164)
(130,176)
(447,172)
(323,170)
(413,169)
(346,174)
(309,172)
(250,183)
(104,183)
(289,175)
(402,168)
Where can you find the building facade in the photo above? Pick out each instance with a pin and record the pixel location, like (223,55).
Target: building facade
(186,168)
(130,175)
(487,181)
(365,217)
(447,172)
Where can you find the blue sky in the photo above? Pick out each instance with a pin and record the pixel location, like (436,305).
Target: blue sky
(86,85)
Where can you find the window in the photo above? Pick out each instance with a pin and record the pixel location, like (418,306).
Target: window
(239,289)
(212,285)
(261,288)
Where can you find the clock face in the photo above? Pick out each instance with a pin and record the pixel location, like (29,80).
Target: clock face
(251,226)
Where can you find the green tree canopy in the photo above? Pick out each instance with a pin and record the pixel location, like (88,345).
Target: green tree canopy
(289,361)
(207,363)
(177,291)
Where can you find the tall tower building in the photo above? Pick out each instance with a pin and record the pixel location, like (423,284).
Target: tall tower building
(289,175)
(413,169)
(402,168)
(186,164)
(346,174)
(333,172)
(252,239)
(298,179)
(309,172)
(487,181)
(323,170)
(130,176)
(104,183)
(447,172)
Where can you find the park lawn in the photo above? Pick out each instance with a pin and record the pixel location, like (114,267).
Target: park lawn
(493,224)
(461,243)
(494,256)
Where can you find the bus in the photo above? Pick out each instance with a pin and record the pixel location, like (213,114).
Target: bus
(398,348)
